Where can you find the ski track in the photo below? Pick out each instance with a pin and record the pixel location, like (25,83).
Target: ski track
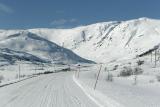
(54,90)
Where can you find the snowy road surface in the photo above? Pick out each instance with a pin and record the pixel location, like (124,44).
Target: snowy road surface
(54,90)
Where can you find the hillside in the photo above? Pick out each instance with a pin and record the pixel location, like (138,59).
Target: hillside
(108,41)
(35,45)
(8,56)
(100,42)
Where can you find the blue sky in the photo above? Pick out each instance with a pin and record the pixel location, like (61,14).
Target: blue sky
(23,14)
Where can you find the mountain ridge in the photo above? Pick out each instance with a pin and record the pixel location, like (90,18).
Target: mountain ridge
(37,46)
(106,41)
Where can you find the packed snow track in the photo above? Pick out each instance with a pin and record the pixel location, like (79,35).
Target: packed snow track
(51,90)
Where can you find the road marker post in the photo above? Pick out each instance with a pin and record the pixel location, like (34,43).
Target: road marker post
(78,71)
(97,77)
(19,69)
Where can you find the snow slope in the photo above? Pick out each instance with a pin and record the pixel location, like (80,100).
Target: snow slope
(33,44)
(121,91)
(108,41)
(8,56)
(102,42)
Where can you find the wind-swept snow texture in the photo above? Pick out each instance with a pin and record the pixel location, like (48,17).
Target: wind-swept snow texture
(56,90)
(121,91)
(100,99)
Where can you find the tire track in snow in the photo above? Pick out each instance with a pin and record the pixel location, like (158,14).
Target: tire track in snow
(54,90)
(97,97)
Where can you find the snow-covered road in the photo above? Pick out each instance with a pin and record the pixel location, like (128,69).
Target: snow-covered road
(52,90)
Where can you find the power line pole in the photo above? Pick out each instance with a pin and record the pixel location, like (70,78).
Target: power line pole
(155,58)
(35,69)
(156,48)
(151,56)
(19,70)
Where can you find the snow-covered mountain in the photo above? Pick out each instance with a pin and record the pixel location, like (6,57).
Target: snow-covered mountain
(35,45)
(8,56)
(100,42)
(108,41)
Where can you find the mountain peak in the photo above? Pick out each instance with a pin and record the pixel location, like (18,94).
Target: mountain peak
(100,42)
(144,18)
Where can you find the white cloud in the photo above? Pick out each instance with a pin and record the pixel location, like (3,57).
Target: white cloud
(73,20)
(59,22)
(63,21)
(5,9)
